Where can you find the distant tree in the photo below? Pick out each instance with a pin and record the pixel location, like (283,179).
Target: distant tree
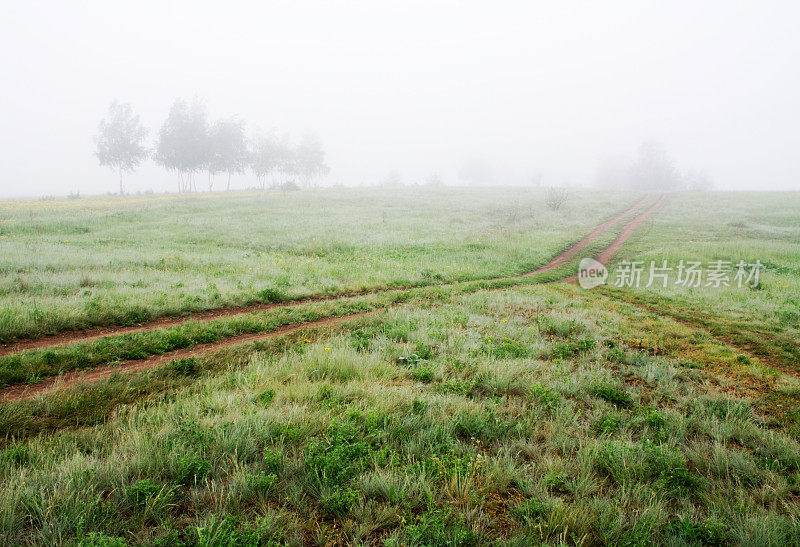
(392,179)
(265,157)
(697,180)
(434,179)
(309,159)
(286,161)
(474,171)
(227,149)
(653,169)
(120,140)
(183,143)
(613,173)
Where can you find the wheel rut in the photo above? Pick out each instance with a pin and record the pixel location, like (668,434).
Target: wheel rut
(70,379)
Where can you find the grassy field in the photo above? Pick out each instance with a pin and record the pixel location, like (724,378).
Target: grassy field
(733,227)
(69,264)
(462,407)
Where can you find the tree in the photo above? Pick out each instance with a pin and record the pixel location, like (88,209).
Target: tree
(227,149)
(392,179)
(309,158)
(653,169)
(285,160)
(434,179)
(697,180)
(475,171)
(264,157)
(183,143)
(120,140)
(613,173)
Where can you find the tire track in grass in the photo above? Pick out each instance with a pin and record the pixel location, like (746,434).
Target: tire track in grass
(28,391)
(69,337)
(70,379)
(567,255)
(605,256)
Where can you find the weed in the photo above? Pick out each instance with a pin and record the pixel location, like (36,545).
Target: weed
(436,528)
(547,397)
(185,367)
(338,500)
(531,511)
(261,482)
(273,461)
(191,469)
(614,394)
(271,295)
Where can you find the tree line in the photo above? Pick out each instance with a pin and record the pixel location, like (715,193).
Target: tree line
(190,144)
(650,169)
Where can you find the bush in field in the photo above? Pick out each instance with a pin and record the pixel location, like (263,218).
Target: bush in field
(555,198)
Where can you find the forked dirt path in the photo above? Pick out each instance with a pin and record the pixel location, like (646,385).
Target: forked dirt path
(567,255)
(65,381)
(628,230)
(87,335)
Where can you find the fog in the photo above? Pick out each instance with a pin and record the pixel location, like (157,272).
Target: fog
(549,90)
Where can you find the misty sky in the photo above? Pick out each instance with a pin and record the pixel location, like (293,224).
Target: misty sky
(417,87)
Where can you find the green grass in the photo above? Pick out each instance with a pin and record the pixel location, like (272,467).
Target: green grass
(329,437)
(706,227)
(471,408)
(97,261)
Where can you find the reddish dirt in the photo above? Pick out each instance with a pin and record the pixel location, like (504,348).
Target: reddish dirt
(628,230)
(567,255)
(65,381)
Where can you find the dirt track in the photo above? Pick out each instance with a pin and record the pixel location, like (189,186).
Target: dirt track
(628,230)
(64,381)
(28,391)
(567,255)
(69,337)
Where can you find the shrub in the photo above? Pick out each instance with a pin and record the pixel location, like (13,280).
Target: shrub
(261,482)
(410,360)
(555,198)
(607,424)
(192,469)
(437,528)
(360,340)
(266,397)
(423,374)
(338,456)
(510,349)
(709,532)
(139,493)
(556,482)
(338,501)
(485,427)
(273,461)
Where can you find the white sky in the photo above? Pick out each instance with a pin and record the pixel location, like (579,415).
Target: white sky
(413,86)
